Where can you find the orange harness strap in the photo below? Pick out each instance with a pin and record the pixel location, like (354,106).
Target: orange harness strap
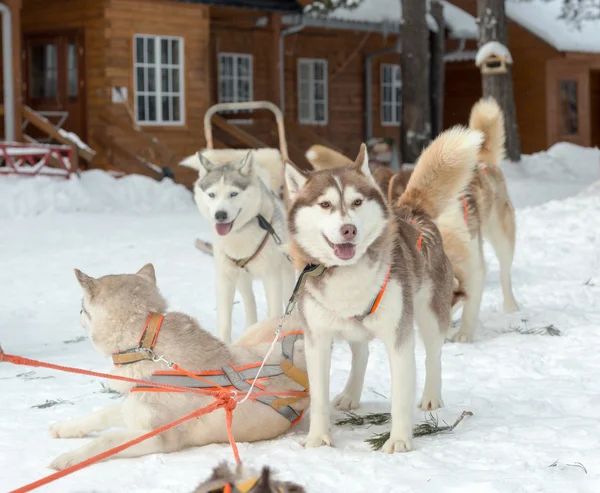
(465,209)
(420,240)
(377,300)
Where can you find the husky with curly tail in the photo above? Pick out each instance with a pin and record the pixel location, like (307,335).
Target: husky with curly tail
(381,267)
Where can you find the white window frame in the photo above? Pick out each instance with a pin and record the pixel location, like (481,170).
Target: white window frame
(311,98)
(395,85)
(235,76)
(158,92)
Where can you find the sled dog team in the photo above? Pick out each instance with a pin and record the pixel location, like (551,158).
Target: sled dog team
(379,251)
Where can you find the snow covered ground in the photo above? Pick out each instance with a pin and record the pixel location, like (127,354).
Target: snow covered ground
(535,398)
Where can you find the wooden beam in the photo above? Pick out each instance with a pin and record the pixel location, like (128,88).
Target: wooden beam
(237,133)
(46,126)
(275,93)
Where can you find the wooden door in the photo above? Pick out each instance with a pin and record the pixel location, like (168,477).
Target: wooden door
(54,79)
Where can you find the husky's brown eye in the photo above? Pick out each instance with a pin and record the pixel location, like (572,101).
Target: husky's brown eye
(357,202)
(325,204)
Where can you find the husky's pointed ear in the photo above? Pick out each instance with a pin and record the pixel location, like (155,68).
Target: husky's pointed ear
(294,179)
(246,166)
(147,272)
(88,284)
(202,164)
(362,161)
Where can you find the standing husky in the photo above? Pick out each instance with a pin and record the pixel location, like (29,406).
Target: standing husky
(382,268)
(127,319)
(249,227)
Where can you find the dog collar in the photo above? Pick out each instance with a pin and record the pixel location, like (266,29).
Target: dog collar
(266,225)
(144,349)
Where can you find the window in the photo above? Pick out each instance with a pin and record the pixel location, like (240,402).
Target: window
(72,74)
(312,91)
(235,78)
(44,71)
(568,107)
(158,66)
(391,88)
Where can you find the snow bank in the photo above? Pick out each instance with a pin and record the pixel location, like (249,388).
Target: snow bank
(541,18)
(94,191)
(562,171)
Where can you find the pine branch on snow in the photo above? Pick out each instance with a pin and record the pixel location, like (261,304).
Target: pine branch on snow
(430,426)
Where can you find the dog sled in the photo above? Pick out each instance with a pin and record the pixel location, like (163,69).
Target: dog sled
(269,161)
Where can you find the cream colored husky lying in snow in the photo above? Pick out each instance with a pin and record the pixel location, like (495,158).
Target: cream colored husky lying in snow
(128,319)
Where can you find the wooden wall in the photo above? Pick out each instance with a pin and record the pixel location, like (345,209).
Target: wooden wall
(124,19)
(595,106)
(530,55)
(54,15)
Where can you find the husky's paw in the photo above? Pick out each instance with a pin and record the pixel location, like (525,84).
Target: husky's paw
(66,460)
(346,401)
(430,403)
(394,445)
(317,440)
(462,337)
(66,430)
(510,306)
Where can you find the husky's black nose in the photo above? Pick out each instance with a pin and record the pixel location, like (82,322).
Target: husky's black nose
(221,216)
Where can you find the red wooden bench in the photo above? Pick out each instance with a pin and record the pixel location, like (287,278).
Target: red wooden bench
(35,159)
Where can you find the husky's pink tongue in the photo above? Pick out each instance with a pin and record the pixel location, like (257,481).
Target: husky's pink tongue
(224,228)
(344,251)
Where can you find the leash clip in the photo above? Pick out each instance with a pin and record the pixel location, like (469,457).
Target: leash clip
(157,358)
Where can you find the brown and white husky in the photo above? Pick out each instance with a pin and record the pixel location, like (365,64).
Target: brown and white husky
(119,311)
(381,268)
(484,211)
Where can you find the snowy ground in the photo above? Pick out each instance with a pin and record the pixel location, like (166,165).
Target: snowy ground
(535,398)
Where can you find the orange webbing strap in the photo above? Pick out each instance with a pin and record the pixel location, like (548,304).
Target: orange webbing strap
(224,401)
(483,170)
(382,290)
(197,377)
(151,330)
(420,240)
(466,210)
(391,187)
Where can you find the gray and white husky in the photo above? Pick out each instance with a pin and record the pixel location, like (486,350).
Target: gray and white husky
(248,230)
(382,267)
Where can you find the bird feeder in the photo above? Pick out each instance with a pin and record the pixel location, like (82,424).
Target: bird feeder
(493,58)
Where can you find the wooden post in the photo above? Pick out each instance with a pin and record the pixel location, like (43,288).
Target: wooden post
(437,69)
(15,8)
(275,92)
(415,128)
(492,27)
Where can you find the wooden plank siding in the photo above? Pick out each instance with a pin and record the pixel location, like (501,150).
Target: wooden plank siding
(39,16)
(126,18)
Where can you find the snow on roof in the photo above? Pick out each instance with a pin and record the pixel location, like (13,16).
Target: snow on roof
(492,48)
(389,12)
(541,18)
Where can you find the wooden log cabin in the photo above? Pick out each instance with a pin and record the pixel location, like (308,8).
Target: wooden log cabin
(135,77)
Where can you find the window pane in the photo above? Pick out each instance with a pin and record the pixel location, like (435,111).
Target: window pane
(319,92)
(569,109)
(243,90)
(175,80)
(151,108)
(73,74)
(164,77)
(319,112)
(243,67)
(43,71)
(387,94)
(150,51)
(397,113)
(166,112)
(176,109)
(139,50)
(151,80)
(175,51)
(164,51)
(304,110)
(141,108)
(387,76)
(319,71)
(140,79)
(303,72)
(304,91)
(226,66)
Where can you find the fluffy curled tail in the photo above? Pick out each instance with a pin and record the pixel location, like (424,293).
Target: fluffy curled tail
(487,117)
(321,157)
(443,170)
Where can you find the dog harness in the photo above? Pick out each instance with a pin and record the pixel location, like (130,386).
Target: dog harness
(316,270)
(229,377)
(243,487)
(146,344)
(266,225)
